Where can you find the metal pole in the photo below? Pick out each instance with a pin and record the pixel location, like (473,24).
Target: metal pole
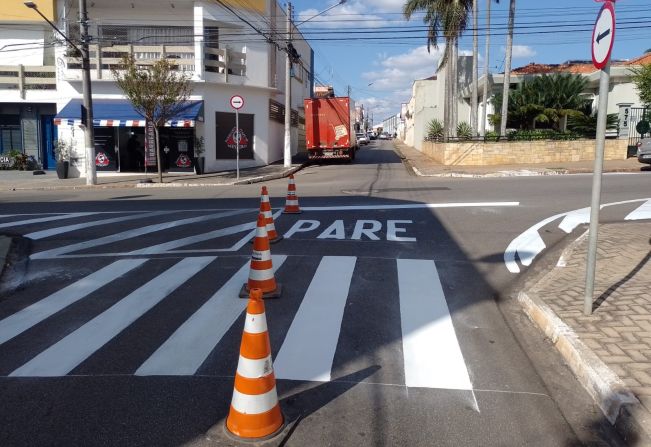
(91,175)
(287,153)
(237,142)
(591,266)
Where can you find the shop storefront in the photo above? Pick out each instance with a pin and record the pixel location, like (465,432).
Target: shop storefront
(120,136)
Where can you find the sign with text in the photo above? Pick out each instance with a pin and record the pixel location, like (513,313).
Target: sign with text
(150,145)
(226,135)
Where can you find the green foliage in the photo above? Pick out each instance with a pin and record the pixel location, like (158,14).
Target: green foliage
(541,134)
(62,150)
(586,125)
(492,136)
(642,81)
(435,130)
(464,131)
(543,100)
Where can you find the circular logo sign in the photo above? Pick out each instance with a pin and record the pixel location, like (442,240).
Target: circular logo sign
(603,36)
(643,127)
(237,102)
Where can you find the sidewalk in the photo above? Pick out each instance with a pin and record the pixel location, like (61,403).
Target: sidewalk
(610,350)
(423,166)
(26,180)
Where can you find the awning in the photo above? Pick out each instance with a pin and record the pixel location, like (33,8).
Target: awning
(120,113)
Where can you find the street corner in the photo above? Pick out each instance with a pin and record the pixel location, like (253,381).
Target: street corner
(14,255)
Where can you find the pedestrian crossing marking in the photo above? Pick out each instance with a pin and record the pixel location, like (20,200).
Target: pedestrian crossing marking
(43,219)
(65,355)
(130,234)
(309,347)
(642,212)
(189,346)
(39,311)
(432,355)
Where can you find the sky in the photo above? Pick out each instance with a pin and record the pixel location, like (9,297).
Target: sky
(369,46)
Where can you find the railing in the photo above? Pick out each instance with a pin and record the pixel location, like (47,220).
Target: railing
(102,58)
(26,77)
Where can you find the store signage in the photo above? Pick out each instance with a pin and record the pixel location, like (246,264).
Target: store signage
(150,144)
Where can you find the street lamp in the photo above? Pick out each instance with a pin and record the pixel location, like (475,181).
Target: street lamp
(292,54)
(87,111)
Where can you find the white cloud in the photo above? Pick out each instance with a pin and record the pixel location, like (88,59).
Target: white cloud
(363,12)
(521,51)
(393,79)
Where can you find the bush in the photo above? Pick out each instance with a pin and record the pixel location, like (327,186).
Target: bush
(541,134)
(587,125)
(435,130)
(464,131)
(492,136)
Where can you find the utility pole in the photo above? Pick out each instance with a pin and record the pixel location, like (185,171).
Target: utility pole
(287,153)
(348,91)
(91,175)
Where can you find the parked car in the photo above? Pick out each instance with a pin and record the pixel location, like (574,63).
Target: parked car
(371,135)
(362,139)
(644,150)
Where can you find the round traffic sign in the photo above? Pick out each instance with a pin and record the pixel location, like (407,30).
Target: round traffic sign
(237,102)
(603,36)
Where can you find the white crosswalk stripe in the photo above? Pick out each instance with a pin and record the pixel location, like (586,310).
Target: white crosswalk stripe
(642,212)
(432,355)
(18,223)
(65,355)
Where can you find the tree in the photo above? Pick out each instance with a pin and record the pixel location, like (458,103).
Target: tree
(642,81)
(507,67)
(448,18)
(546,99)
(486,65)
(158,92)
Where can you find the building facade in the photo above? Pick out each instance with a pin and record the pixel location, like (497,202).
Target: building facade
(208,41)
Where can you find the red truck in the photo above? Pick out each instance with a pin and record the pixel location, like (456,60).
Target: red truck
(330,128)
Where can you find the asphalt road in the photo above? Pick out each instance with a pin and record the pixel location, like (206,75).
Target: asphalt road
(124,328)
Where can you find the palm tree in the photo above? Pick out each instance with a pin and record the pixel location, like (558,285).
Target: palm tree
(449,18)
(507,69)
(475,67)
(486,64)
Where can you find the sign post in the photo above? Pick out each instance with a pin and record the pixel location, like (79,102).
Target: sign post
(603,37)
(237,102)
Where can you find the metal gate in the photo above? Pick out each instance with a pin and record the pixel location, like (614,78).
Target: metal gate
(637,114)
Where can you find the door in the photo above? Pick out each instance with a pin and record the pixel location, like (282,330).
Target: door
(49,133)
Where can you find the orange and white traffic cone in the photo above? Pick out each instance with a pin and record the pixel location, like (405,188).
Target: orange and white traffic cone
(255,410)
(265,209)
(291,205)
(261,273)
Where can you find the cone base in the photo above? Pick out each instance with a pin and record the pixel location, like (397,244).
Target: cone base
(293,212)
(244,292)
(236,421)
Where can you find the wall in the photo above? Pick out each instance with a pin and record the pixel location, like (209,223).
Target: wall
(16,11)
(520,152)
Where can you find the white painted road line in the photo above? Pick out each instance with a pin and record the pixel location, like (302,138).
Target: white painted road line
(130,234)
(643,212)
(39,311)
(43,219)
(574,219)
(309,347)
(410,206)
(68,228)
(432,355)
(65,355)
(189,346)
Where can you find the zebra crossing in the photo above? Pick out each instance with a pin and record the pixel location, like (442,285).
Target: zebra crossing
(431,353)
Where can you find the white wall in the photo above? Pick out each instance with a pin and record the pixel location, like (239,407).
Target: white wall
(21,46)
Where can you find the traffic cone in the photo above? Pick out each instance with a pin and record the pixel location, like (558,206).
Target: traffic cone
(291,205)
(255,410)
(261,273)
(265,209)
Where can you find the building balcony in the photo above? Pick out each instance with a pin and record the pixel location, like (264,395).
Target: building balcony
(25,77)
(219,65)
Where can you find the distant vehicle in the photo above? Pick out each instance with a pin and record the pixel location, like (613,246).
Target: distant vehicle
(371,135)
(644,150)
(384,136)
(362,139)
(329,128)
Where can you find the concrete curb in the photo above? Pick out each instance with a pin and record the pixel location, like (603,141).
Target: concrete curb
(617,402)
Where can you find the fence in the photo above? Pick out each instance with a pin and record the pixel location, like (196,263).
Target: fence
(637,114)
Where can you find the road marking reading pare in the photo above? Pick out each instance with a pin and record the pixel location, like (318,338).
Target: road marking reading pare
(364,229)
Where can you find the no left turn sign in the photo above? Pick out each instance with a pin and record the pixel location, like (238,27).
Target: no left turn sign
(237,102)
(603,36)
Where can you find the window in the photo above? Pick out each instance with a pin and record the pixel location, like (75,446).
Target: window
(10,135)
